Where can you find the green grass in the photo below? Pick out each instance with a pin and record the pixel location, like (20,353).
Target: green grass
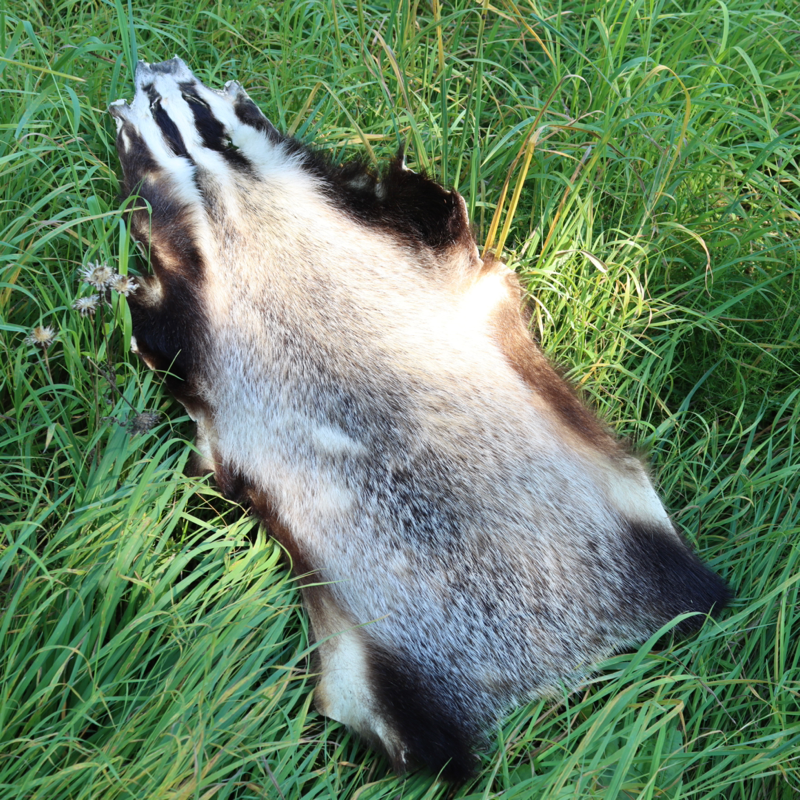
(151,642)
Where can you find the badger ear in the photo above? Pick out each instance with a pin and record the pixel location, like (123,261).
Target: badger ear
(422,208)
(401,155)
(405,204)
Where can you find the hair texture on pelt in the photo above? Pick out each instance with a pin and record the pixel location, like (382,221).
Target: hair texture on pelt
(466,533)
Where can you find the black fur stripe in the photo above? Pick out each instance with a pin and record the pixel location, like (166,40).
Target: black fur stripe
(212,131)
(168,128)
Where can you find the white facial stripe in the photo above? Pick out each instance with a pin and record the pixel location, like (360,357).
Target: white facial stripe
(141,117)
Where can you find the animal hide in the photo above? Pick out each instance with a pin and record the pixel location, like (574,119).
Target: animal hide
(467,535)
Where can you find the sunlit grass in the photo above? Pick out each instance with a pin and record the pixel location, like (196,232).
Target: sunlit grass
(152,641)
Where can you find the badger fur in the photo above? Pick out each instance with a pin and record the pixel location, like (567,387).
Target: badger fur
(467,535)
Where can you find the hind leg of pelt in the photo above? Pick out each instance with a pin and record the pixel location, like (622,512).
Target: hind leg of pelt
(344,690)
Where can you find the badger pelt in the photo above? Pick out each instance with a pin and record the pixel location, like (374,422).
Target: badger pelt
(467,535)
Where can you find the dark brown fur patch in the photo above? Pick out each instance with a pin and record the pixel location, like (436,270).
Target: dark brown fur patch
(406,204)
(532,366)
(171,333)
(263,507)
(440,736)
(668,579)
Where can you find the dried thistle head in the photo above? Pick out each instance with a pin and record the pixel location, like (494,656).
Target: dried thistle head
(123,284)
(42,336)
(86,305)
(143,422)
(97,274)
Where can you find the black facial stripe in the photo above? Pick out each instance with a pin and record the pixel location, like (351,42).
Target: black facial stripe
(211,130)
(168,128)
(194,99)
(152,94)
(170,131)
